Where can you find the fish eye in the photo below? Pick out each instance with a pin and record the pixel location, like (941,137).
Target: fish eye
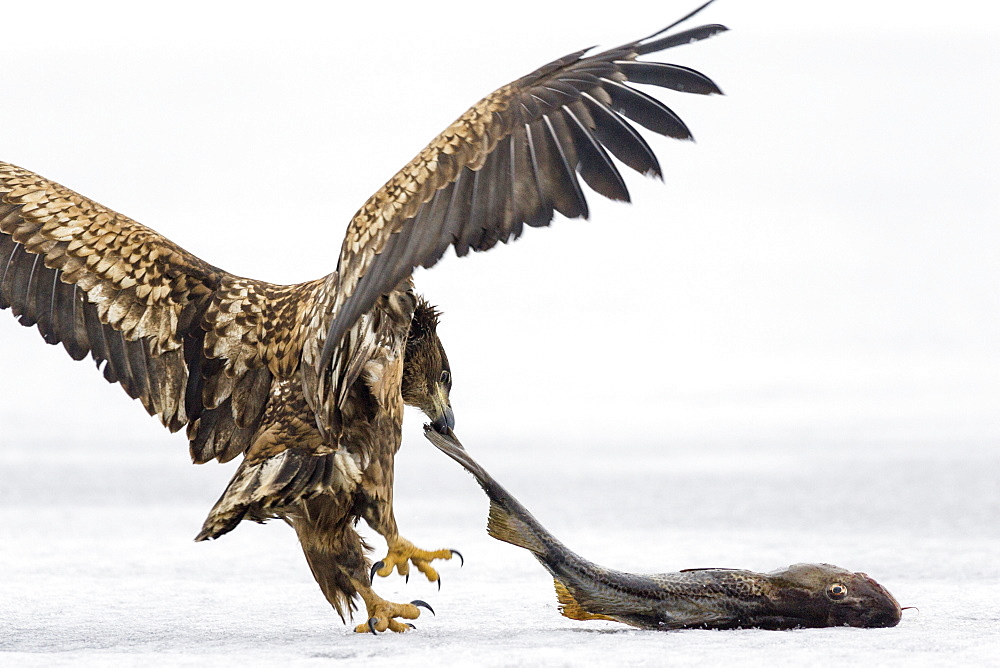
(446,377)
(837,591)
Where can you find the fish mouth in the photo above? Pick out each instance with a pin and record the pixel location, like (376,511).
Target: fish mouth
(886,615)
(868,618)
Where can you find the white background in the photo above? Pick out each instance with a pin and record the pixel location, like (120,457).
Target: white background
(813,289)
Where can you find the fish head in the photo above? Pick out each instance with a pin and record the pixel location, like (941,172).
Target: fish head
(820,595)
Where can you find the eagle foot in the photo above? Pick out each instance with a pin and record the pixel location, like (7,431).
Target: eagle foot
(402,553)
(382,614)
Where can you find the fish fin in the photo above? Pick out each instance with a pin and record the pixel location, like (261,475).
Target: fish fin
(509,521)
(570,607)
(504,525)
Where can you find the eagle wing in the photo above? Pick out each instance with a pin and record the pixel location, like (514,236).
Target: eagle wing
(196,345)
(510,160)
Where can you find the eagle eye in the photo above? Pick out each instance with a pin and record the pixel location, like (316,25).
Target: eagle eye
(837,591)
(446,377)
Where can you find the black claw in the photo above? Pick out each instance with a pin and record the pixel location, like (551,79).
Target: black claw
(439,583)
(423,604)
(460,557)
(371,624)
(411,625)
(407,580)
(377,565)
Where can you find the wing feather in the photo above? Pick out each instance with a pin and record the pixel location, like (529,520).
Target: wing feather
(470,229)
(459,212)
(498,215)
(596,166)
(512,160)
(536,212)
(622,139)
(68,319)
(95,337)
(646,110)
(430,230)
(32,306)
(176,333)
(16,279)
(666,75)
(118,360)
(565,191)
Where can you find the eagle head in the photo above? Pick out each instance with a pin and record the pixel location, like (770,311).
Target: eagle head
(426,373)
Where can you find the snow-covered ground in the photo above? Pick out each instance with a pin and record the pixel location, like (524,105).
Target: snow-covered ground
(789,351)
(99,566)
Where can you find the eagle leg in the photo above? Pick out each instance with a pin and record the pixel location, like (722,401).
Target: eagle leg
(382,614)
(402,553)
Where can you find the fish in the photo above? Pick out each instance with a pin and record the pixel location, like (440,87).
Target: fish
(813,595)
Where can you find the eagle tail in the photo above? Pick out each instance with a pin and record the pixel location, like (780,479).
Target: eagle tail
(261,488)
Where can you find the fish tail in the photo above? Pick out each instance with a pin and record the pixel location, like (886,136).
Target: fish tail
(509,521)
(570,607)
(508,527)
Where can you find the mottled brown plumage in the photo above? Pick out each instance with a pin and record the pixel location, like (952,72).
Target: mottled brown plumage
(308,381)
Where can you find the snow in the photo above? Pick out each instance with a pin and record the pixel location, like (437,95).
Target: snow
(100,567)
(786,352)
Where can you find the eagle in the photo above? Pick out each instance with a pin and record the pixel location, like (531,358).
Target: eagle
(307,382)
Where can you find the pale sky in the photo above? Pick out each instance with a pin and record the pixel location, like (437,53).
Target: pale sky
(104,24)
(823,258)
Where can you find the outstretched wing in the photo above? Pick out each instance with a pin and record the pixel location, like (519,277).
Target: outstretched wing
(185,338)
(513,160)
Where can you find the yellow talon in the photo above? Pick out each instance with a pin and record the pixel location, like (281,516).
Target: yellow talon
(382,614)
(402,552)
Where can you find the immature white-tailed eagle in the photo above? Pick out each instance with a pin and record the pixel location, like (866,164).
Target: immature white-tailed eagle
(308,381)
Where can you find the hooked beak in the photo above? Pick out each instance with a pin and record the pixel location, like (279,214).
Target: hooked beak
(445,422)
(441,406)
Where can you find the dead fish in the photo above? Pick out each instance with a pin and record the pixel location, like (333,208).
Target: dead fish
(800,596)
